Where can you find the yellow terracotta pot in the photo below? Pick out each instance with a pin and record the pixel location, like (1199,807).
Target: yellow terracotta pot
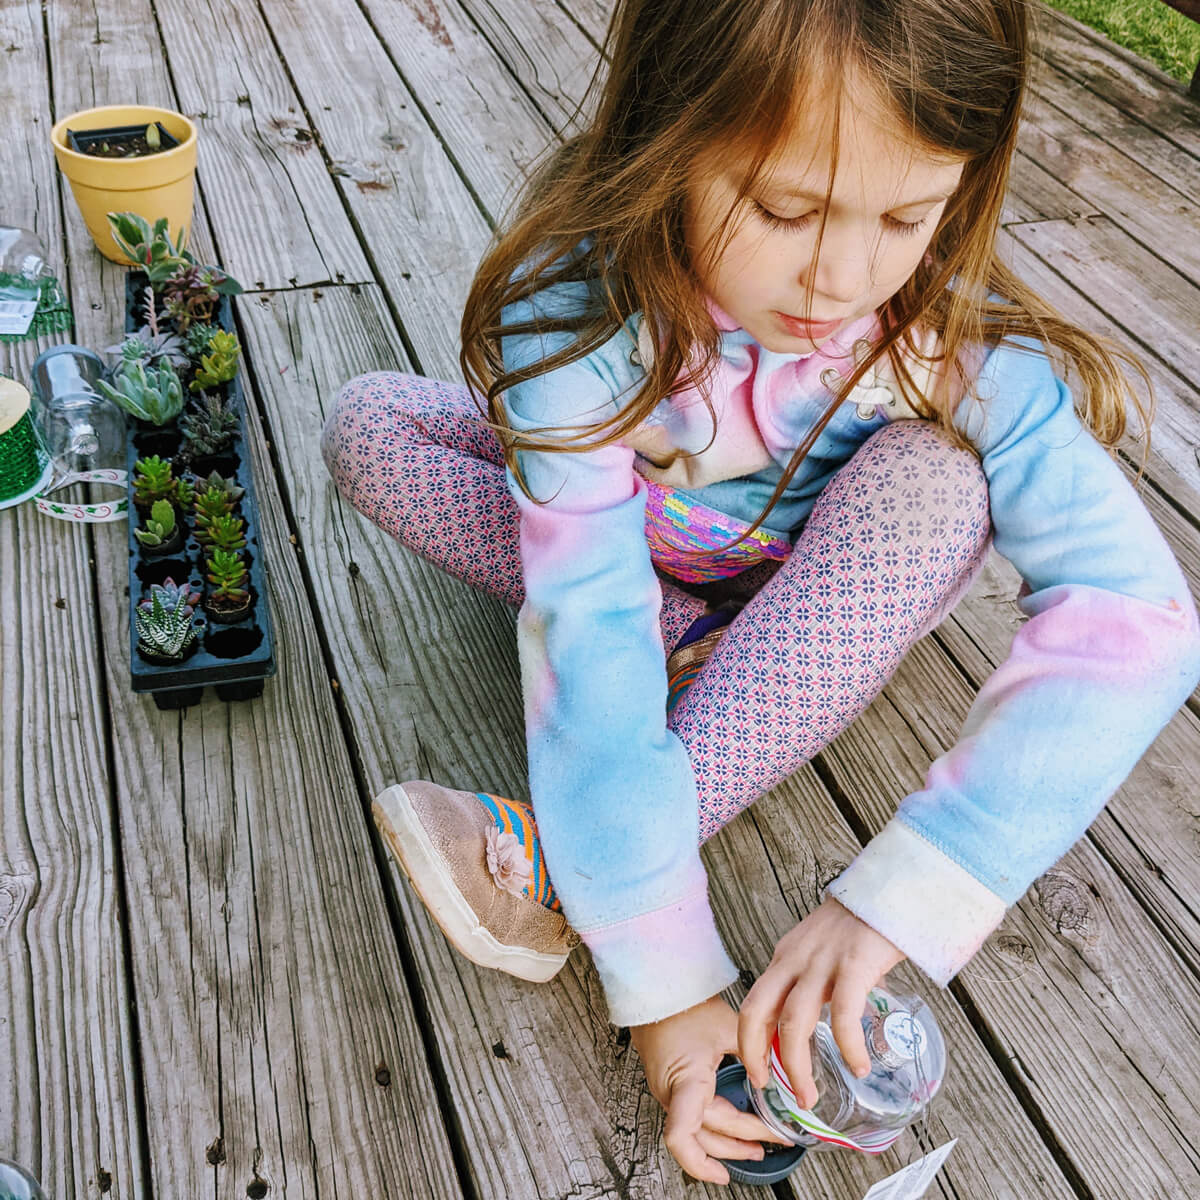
(158,185)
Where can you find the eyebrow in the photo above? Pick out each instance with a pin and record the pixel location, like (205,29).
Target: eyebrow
(804,194)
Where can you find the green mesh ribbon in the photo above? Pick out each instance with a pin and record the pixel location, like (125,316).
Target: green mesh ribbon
(21,459)
(52,315)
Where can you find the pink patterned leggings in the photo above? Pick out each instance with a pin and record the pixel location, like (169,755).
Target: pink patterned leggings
(892,544)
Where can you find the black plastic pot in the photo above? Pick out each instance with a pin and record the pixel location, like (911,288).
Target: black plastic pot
(235,658)
(83,139)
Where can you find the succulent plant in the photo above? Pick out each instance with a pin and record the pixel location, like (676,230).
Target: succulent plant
(185,493)
(215,480)
(170,592)
(198,336)
(150,344)
(225,532)
(159,527)
(210,504)
(164,622)
(152,394)
(193,292)
(227,572)
(209,426)
(153,480)
(221,365)
(151,249)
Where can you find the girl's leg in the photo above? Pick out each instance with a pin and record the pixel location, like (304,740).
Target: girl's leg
(892,544)
(414,456)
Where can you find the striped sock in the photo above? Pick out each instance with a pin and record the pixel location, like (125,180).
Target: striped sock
(679,682)
(516,817)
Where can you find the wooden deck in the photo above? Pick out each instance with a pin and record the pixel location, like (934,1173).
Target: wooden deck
(212,982)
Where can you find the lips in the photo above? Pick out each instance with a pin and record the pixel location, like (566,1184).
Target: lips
(799,328)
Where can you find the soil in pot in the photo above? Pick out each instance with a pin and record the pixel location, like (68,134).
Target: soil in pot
(223,612)
(119,141)
(226,463)
(171,546)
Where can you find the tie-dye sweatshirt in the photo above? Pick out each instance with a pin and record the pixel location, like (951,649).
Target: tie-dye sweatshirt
(1109,653)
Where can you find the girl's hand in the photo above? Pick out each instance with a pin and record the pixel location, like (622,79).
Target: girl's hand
(831,956)
(680,1056)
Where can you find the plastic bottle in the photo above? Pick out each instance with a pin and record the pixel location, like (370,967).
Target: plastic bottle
(17,1184)
(908,1063)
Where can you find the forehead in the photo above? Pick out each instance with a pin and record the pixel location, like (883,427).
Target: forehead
(878,163)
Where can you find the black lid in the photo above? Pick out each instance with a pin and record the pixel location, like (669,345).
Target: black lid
(779,1161)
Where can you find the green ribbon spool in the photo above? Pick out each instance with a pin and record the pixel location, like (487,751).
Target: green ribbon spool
(23,462)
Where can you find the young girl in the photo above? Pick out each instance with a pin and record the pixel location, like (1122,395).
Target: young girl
(755,379)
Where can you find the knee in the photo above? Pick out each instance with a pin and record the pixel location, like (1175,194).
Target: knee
(920,465)
(372,410)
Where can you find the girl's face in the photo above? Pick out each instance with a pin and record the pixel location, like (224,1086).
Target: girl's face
(885,206)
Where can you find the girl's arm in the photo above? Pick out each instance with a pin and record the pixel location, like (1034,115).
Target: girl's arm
(612,788)
(1110,652)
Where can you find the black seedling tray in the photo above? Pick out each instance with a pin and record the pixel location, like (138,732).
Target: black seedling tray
(79,140)
(237,658)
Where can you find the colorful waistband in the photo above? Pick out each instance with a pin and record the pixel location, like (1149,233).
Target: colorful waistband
(678,526)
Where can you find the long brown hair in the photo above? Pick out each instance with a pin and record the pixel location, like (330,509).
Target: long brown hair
(689,76)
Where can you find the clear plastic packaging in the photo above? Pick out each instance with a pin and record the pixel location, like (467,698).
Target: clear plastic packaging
(23,264)
(908,1063)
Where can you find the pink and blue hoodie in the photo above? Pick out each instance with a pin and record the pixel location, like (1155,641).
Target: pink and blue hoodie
(1109,653)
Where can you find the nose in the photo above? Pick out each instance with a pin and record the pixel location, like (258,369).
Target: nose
(844,270)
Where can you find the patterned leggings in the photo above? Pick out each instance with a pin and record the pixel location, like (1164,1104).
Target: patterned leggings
(891,545)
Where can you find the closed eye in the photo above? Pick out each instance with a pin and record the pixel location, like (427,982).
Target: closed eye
(775,221)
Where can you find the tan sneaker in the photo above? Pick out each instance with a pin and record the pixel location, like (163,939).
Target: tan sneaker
(484,883)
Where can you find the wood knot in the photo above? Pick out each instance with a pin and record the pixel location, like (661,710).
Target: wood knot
(1065,902)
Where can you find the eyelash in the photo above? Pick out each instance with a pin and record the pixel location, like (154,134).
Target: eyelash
(900,228)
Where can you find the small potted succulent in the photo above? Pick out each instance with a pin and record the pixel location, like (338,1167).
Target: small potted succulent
(165,622)
(154,479)
(161,534)
(209,427)
(159,182)
(152,395)
(228,600)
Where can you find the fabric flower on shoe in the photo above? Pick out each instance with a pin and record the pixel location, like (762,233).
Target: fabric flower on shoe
(511,871)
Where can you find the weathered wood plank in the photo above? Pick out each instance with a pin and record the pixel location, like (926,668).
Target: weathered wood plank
(1035,195)
(68,1038)
(568,1088)
(1124,79)
(1117,186)
(422,227)
(281,1045)
(1099,996)
(1130,300)
(1178,169)
(261,171)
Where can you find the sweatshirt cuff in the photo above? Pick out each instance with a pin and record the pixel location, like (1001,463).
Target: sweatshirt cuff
(920,899)
(662,962)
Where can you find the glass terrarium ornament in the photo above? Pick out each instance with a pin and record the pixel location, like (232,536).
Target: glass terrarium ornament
(25,467)
(17,1184)
(82,429)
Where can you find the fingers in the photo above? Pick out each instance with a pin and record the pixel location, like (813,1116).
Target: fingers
(801,1011)
(717,1145)
(846,1012)
(725,1118)
(757,1020)
(685,1120)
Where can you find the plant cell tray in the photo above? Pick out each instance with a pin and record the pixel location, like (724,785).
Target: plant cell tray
(234,658)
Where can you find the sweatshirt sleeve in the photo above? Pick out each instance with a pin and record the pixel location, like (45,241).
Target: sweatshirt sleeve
(1109,653)
(612,788)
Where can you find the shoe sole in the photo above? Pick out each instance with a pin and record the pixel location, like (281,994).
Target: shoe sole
(410,845)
